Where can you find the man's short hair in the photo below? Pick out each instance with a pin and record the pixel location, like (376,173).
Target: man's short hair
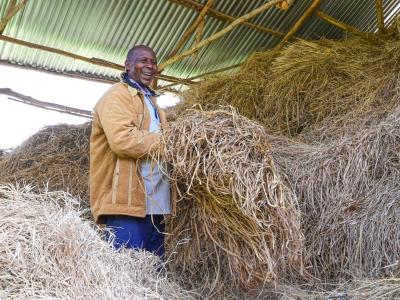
(132,51)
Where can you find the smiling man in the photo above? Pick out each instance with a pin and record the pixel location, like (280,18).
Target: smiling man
(128,191)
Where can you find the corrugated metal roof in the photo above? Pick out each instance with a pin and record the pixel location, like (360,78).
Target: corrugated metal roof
(106,29)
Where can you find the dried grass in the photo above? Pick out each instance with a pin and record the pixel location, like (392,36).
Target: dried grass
(306,82)
(241,191)
(348,186)
(237,223)
(359,289)
(47,251)
(56,157)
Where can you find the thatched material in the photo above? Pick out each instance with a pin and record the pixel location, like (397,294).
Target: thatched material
(306,82)
(347,186)
(349,191)
(47,251)
(237,223)
(359,289)
(56,157)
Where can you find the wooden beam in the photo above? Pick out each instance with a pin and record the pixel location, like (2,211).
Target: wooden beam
(339,24)
(215,72)
(168,90)
(45,105)
(220,33)
(175,79)
(69,74)
(285,5)
(200,31)
(299,23)
(203,75)
(11,11)
(190,30)
(193,5)
(11,5)
(94,61)
(379,15)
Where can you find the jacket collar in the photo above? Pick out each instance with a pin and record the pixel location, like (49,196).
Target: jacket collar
(132,83)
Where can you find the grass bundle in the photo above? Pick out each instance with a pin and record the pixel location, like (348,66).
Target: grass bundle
(56,157)
(47,251)
(306,82)
(360,289)
(237,223)
(348,186)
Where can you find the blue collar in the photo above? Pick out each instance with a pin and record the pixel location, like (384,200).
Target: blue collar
(132,83)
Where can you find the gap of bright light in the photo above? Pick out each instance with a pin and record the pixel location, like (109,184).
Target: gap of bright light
(19,121)
(392,13)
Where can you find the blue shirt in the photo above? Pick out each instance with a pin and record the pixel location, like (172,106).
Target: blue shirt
(158,198)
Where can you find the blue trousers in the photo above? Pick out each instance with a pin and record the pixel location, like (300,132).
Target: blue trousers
(138,233)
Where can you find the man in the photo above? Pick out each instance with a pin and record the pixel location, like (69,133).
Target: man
(128,191)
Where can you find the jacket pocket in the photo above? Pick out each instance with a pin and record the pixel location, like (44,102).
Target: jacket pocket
(121,182)
(115,182)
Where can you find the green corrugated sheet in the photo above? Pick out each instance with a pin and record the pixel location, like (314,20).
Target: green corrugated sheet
(106,29)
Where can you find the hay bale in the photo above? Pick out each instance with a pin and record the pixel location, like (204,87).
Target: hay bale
(47,251)
(306,82)
(237,223)
(348,186)
(55,158)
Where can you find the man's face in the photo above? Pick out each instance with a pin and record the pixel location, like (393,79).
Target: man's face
(142,66)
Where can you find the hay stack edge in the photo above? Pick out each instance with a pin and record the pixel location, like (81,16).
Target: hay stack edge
(297,185)
(48,251)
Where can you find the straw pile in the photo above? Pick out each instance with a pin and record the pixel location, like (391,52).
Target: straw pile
(306,82)
(340,99)
(237,223)
(360,289)
(349,191)
(241,190)
(47,251)
(56,157)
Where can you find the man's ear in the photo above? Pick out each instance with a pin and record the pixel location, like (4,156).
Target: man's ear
(127,65)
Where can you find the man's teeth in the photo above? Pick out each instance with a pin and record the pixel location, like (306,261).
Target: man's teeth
(148,74)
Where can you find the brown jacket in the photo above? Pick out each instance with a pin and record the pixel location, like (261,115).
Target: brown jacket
(120,138)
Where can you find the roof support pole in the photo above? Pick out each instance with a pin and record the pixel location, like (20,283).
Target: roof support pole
(11,11)
(285,5)
(224,17)
(299,23)
(220,33)
(379,15)
(339,24)
(94,61)
(203,75)
(200,31)
(191,29)
(46,105)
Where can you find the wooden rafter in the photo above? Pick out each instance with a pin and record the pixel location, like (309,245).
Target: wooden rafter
(285,5)
(70,74)
(190,30)
(299,22)
(379,15)
(11,11)
(215,72)
(200,31)
(339,24)
(224,17)
(220,33)
(203,75)
(46,105)
(94,61)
